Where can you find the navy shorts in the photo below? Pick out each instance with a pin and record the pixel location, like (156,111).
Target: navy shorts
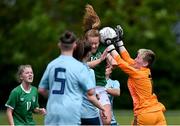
(90,121)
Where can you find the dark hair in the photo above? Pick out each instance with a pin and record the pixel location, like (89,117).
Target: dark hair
(82,49)
(68,37)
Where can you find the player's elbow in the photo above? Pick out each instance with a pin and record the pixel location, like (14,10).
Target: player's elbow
(118,92)
(40,90)
(43,92)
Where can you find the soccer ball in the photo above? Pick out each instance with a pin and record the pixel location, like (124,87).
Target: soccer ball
(107,33)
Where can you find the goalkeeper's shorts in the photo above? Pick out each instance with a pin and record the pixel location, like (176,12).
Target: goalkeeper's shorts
(150,118)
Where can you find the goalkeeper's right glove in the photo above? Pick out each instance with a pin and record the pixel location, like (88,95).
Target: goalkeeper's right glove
(110,47)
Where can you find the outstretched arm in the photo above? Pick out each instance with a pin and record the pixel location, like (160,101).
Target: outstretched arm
(93,99)
(94,63)
(113,91)
(120,45)
(119,39)
(122,63)
(111,60)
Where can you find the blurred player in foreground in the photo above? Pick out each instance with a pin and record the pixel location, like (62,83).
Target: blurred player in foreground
(23,100)
(89,112)
(64,82)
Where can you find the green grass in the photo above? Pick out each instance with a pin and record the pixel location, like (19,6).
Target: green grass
(124,117)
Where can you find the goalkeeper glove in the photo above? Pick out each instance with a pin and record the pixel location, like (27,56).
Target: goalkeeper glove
(119,32)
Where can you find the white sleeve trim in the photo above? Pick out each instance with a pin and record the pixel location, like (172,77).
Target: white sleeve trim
(9,106)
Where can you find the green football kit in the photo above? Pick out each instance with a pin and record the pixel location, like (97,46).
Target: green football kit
(100,68)
(23,104)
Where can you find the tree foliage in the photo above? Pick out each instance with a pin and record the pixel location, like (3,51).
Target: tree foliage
(29,32)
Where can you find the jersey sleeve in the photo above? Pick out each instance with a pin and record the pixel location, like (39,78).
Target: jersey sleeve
(116,84)
(44,83)
(125,66)
(112,84)
(126,57)
(12,100)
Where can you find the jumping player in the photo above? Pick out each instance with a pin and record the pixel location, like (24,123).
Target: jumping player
(147,109)
(91,24)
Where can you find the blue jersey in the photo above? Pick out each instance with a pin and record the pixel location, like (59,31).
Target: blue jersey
(66,79)
(88,109)
(116,85)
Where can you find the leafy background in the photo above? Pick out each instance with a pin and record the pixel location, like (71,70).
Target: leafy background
(30,29)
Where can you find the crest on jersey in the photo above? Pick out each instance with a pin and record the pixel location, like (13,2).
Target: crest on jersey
(21,99)
(33,98)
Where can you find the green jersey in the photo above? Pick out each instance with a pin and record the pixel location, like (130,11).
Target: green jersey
(23,104)
(100,68)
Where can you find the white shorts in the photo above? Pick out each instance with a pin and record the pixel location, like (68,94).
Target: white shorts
(103,96)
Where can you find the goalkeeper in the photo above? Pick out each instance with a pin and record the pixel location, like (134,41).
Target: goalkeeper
(147,109)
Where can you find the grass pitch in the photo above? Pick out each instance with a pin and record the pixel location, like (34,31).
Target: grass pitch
(123,117)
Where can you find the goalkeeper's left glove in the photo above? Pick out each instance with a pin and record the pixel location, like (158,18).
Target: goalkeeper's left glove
(119,32)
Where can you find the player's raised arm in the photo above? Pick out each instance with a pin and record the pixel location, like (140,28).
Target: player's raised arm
(94,63)
(108,35)
(119,39)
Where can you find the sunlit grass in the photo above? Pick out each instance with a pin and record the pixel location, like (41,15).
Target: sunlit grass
(124,117)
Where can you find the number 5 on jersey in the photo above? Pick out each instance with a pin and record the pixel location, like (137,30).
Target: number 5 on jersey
(60,80)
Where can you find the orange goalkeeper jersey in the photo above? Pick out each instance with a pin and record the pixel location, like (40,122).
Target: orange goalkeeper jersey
(139,85)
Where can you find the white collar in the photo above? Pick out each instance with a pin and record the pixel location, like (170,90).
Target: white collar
(28,91)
